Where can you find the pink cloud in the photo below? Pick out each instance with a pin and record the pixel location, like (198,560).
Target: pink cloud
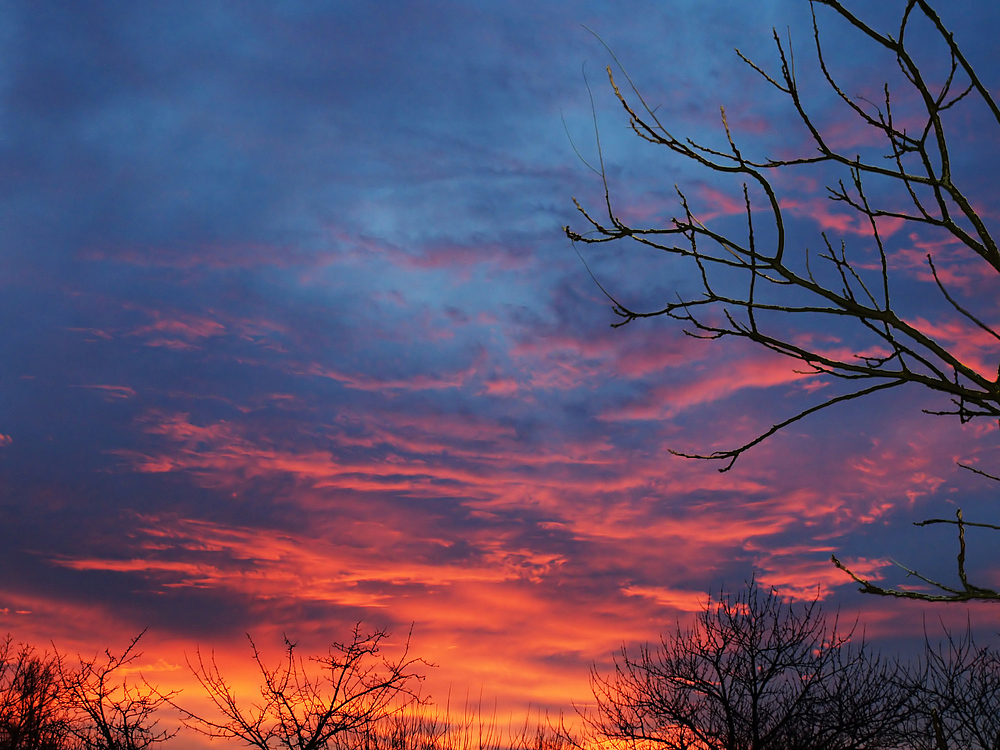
(180,330)
(973,346)
(563,362)
(839,218)
(442,254)
(958,267)
(713,382)
(720,203)
(185,326)
(113,392)
(97,333)
(501,387)
(848,133)
(417,382)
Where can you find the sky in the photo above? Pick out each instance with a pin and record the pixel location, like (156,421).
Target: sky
(293,337)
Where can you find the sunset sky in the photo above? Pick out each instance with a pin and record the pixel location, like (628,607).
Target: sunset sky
(293,338)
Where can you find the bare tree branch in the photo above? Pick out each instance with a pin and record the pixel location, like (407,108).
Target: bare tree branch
(761,291)
(753,672)
(300,709)
(110,712)
(966,593)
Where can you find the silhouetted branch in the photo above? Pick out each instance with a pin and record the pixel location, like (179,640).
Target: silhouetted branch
(112,713)
(966,593)
(355,688)
(753,672)
(762,292)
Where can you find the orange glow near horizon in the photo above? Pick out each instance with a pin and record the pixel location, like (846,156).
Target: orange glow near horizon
(515,623)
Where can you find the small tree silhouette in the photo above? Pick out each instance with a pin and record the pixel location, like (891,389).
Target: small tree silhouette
(111,713)
(955,696)
(333,706)
(33,714)
(753,673)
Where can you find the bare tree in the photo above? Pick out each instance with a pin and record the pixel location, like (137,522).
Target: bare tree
(112,713)
(300,708)
(955,696)
(32,712)
(754,673)
(762,290)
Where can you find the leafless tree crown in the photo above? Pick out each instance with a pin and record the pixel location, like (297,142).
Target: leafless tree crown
(107,711)
(336,703)
(32,711)
(753,673)
(954,696)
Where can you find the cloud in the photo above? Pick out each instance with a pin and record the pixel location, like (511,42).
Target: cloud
(112,392)
(847,221)
(170,330)
(413,382)
(710,382)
